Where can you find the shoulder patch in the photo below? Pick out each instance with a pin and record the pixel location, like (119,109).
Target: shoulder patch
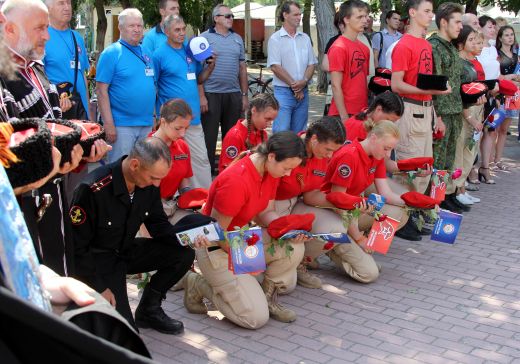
(103,182)
(344,171)
(232,151)
(77,215)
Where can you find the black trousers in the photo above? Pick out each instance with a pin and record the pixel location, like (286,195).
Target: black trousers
(170,260)
(224,110)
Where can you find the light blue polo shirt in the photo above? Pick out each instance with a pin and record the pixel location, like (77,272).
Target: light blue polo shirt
(59,60)
(173,68)
(154,38)
(130,74)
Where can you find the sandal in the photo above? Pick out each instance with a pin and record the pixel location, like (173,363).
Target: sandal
(485,177)
(501,166)
(473,177)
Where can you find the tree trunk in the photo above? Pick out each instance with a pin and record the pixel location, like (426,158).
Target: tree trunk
(101,27)
(307,17)
(324,11)
(471,6)
(125,4)
(386,6)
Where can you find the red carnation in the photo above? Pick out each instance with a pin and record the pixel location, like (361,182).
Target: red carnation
(328,245)
(252,240)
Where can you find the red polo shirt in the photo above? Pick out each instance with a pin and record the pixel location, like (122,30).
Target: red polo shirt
(180,168)
(234,143)
(241,192)
(352,59)
(413,56)
(352,168)
(355,129)
(303,179)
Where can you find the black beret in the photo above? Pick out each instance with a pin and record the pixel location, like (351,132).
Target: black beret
(31,142)
(379,85)
(90,132)
(471,91)
(66,135)
(432,82)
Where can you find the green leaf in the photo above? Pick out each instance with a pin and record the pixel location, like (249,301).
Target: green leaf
(271,249)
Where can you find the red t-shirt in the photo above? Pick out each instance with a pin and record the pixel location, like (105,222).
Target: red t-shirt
(350,58)
(303,179)
(234,143)
(180,168)
(355,129)
(241,192)
(413,56)
(352,168)
(481,75)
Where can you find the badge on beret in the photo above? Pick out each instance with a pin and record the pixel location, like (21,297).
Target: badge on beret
(232,151)
(344,171)
(77,215)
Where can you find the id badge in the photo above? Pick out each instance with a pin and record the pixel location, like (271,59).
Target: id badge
(149,72)
(73,64)
(191,76)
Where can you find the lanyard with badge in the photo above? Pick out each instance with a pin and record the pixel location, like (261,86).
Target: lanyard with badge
(190,76)
(148,71)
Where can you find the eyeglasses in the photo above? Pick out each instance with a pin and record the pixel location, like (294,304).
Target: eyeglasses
(227,16)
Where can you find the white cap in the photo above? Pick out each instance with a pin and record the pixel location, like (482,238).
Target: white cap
(200,49)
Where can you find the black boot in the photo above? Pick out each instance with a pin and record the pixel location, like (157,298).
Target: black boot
(149,314)
(409,232)
(448,204)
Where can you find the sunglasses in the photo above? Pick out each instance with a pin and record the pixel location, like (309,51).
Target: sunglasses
(227,16)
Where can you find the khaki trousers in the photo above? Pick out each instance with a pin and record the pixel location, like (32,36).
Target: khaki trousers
(350,257)
(240,297)
(465,157)
(398,213)
(415,128)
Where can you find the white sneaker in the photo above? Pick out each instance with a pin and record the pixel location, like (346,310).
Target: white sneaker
(472,198)
(464,200)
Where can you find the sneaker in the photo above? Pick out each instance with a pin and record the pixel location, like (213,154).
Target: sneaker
(472,198)
(463,199)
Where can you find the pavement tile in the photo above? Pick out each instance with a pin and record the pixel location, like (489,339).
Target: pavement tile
(433,302)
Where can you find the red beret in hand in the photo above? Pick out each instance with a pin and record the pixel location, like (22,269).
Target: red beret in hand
(284,224)
(413,164)
(193,199)
(507,88)
(344,201)
(416,199)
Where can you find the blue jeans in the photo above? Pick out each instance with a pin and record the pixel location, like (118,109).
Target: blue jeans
(125,140)
(293,114)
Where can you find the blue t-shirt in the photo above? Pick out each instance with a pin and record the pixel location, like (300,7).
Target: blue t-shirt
(176,76)
(153,39)
(59,60)
(130,74)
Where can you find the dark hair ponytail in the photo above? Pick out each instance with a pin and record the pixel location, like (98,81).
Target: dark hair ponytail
(260,102)
(284,144)
(327,129)
(389,102)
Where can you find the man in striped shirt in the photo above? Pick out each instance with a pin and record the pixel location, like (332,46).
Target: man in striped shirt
(226,88)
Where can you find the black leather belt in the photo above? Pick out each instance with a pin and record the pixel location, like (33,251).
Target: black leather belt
(427,103)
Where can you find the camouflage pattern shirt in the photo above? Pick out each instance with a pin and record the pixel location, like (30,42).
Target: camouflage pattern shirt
(447,62)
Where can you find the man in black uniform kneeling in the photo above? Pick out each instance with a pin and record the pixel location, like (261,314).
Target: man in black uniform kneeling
(107,209)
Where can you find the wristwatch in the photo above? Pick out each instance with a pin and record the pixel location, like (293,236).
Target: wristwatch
(244,93)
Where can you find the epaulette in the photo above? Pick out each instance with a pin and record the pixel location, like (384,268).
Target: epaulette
(102,183)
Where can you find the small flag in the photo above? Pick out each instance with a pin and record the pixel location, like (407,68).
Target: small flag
(381,235)
(495,118)
(447,227)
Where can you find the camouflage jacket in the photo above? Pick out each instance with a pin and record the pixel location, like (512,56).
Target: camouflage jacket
(447,62)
